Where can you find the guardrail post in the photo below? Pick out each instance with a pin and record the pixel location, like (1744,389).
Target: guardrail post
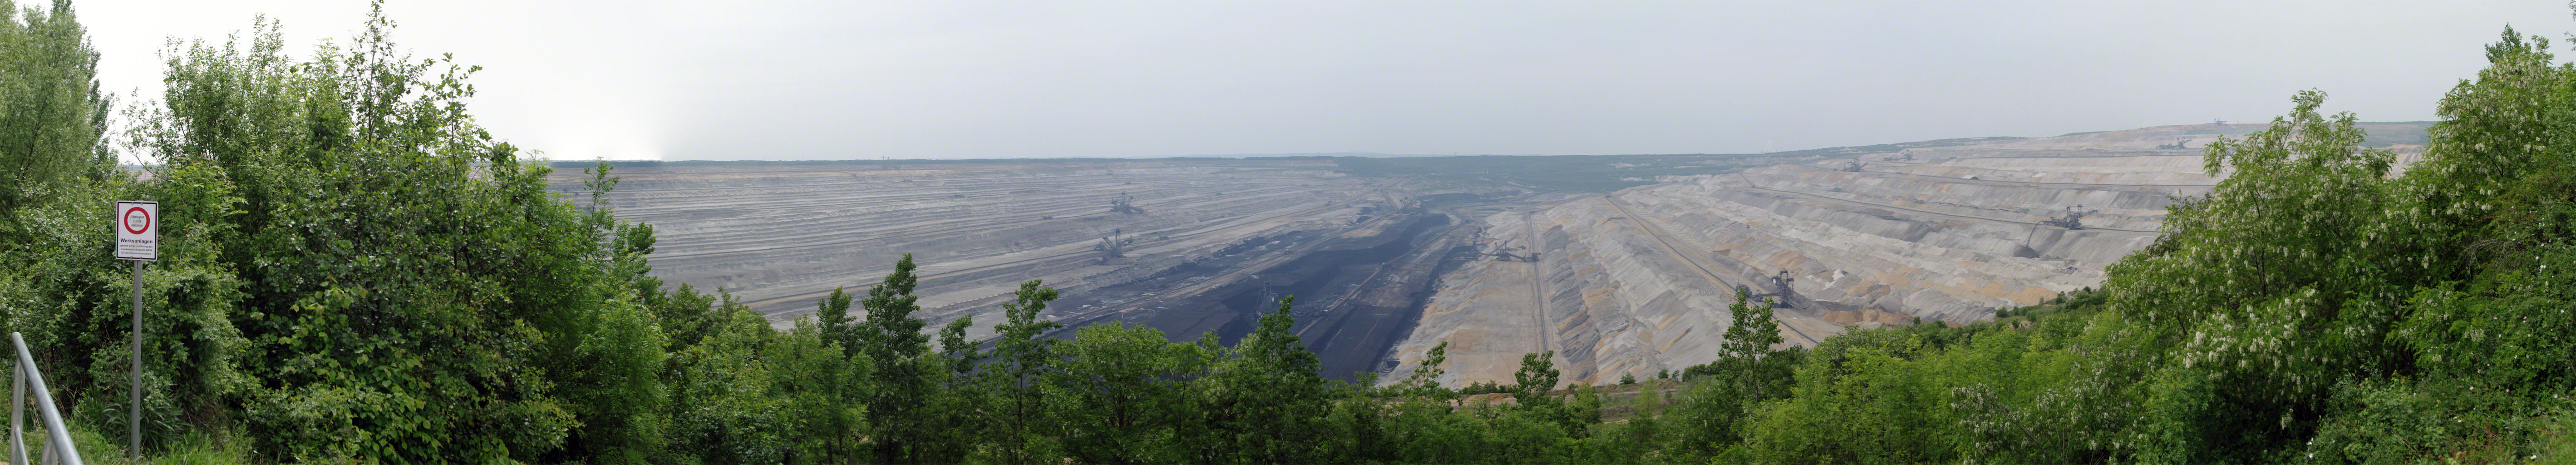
(58,440)
(17,407)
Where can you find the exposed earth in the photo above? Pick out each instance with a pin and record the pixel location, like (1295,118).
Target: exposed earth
(1498,256)
(1200,245)
(1638,281)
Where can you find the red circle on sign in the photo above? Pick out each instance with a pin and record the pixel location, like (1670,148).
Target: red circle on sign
(129,220)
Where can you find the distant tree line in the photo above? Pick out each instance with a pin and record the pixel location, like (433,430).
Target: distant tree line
(352,270)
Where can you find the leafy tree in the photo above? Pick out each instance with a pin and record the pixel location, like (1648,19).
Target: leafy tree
(957,419)
(353,271)
(832,320)
(2273,286)
(2496,164)
(58,283)
(1537,376)
(1742,357)
(2503,136)
(1356,424)
(1485,387)
(1422,430)
(686,315)
(1633,441)
(405,275)
(1203,435)
(962,354)
(1528,435)
(825,387)
(1703,418)
(892,337)
(1023,354)
(1583,408)
(1860,398)
(2485,330)
(1266,401)
(55,116)
(724,402)
(1425,380)
(1752,332)
(617,394)
(1121,395)
(618,399)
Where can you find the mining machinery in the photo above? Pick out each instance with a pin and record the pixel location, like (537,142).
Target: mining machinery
(1124,204)
(1505,255)
(2074,218)
(1112,248)
(1786,297)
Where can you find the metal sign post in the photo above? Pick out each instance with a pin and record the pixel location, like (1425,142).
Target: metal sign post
(138,238)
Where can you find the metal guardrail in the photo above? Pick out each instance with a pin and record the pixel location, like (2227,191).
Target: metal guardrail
(58,440)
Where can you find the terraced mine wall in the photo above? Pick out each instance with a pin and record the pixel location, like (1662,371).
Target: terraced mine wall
(1638,281)
(1202,245)
(1386,262)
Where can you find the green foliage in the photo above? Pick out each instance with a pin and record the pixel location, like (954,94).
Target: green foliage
(832,320)
(1527,435)
(1752,332)
(353,271)
(1859,398)
(824,386)
(722,407)
(402,270)
(618,397)
(2556,441)
(2379,422)
(200,447)
(1265,402)
(1023,355)
(686,315)
(1425,380)
(52,115)
(1537,376)
(1122,395)
(904,380)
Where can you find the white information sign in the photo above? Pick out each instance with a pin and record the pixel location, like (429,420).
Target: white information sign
(138,230)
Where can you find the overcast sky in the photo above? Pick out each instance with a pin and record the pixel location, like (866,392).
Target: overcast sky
(747,79)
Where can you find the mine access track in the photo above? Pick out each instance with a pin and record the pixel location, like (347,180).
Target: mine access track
(1658,233)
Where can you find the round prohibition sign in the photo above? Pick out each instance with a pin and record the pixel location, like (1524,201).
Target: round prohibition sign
(137,221)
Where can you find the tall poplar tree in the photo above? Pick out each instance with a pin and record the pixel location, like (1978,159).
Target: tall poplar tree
(1024,354)
(52,115)
(892,338)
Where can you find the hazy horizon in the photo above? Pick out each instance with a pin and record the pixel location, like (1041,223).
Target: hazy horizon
(820,80)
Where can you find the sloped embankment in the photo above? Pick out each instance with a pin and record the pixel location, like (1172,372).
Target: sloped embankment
(781,235)
(1638,281)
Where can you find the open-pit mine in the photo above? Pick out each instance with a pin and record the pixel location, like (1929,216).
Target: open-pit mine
(1497,256)
(1638,281)
(1188,246)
